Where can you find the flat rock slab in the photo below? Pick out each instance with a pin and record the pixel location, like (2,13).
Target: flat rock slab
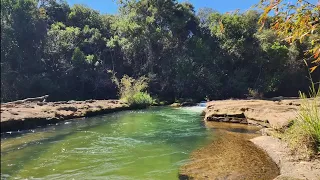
(258,112)
(32,114)
(289,167)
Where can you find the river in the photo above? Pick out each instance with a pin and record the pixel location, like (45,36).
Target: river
(142,144)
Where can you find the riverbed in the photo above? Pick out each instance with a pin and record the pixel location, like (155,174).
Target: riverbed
(143,144)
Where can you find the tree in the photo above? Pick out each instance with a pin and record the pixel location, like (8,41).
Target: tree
(23,30)
(48,47)
(56,11)
(298,21)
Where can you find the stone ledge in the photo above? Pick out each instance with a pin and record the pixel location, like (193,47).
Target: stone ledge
(30,115)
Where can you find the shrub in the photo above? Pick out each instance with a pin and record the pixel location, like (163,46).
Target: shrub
(304,135)
(309,114)
(133,91)
(255,94)
(128,86)
(140,99)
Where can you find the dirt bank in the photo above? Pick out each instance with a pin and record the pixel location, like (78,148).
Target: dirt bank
(27,115)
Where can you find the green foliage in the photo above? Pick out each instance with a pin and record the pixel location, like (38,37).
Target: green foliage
(304,135)
(295,22)
(140,99)
(23,35)
(132,91)
(130,86)
(48,47)
(81,16)
(309,114)
(78,56)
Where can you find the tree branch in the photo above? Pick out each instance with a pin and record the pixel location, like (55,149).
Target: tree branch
(307,2)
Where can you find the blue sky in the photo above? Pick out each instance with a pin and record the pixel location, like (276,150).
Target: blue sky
(110,6)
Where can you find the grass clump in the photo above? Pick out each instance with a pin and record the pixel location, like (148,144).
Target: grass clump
(303,135)
(140,99)
(133,91)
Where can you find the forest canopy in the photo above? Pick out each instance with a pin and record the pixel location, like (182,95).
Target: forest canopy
(49,47)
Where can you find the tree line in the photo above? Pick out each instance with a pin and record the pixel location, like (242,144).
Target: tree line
(49,47)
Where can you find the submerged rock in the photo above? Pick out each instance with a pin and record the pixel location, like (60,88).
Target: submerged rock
(184,104)
(230,156)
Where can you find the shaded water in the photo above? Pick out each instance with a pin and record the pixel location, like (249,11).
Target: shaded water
(144,144)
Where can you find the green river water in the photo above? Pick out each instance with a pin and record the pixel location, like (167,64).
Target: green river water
(142,144)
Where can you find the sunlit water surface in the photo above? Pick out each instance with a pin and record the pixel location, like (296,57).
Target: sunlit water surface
(142,144)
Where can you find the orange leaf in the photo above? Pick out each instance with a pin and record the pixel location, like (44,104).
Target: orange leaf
(316,54)
(316,61)
(313,68)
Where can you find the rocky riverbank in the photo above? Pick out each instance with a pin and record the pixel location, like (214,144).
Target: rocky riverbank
(290,166)
(269,115)
(26,115)
(265,113)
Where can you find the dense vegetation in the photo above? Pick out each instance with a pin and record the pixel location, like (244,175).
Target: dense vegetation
(48,47)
